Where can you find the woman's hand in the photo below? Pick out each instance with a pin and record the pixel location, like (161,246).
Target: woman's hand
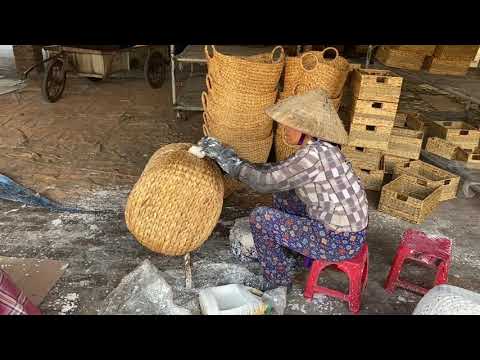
(225,157)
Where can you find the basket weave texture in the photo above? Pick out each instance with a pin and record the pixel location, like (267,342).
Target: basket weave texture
(176,203)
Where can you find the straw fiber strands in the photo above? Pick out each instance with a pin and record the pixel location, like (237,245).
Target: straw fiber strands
(176,203)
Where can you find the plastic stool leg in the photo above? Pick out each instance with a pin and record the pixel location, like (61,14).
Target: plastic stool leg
(395,270)
(355,291)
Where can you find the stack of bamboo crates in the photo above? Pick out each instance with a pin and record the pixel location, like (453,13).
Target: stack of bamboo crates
(404,56)
(375,95)
(451,59)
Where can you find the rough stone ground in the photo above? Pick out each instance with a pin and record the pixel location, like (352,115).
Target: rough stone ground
(99,249)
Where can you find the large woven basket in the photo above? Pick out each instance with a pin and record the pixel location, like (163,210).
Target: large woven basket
(283,150)
(223,130)
(176,203)
(232,118)
(254,74)
(238,100)
(292,74)
(327,74)
(231,186)
(255,151)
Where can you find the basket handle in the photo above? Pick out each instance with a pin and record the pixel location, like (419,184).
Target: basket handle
(280,57)
(207,52)
(206,131)
(209,82)
(327,50)
(402,197)
(204,100)
(306,55)
(206,119)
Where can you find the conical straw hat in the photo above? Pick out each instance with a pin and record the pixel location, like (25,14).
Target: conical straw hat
(312,113)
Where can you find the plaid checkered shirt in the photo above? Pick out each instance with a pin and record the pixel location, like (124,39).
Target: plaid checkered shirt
(322,178)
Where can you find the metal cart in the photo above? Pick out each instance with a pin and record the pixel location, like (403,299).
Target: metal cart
(187,97)
(96,65)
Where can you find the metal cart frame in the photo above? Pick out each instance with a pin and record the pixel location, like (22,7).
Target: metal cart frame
(96,65)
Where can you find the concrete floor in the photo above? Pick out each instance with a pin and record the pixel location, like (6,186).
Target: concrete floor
(100,250)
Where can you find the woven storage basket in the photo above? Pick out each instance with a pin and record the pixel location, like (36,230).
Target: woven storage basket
(301,89)
(231,186)
(390,161)
(327,74)
(176,203)
(376,85)
(225,130)
(258,74)
(458,67)
(370,179)
(456,132)
(369,136)
(378,113)
(398,58)
(431,176)
(232,118)
(255,151)
(363,158)
(239,101)
(283,150)
(443,148)
(420,49)
(400,120)
(472,158)
(407,199)
(455,52)
(405,143)
(292,74)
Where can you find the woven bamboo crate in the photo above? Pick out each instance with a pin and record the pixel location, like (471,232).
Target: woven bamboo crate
(409,200)
(471,157)
(416,121)
(431,176)
(370,179)
(363,158)
(444,149)
(400,120)
(380,111)
(459,133)
(420,49)
(369,136)
(455,51)
(458,67)
(405,143)
(400,59)
(390,161)
(376,85)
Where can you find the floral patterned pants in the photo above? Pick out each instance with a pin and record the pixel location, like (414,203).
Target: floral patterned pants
(286,229)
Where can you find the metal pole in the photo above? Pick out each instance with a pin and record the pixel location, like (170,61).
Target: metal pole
(188,271)
(369,56)
(172,69)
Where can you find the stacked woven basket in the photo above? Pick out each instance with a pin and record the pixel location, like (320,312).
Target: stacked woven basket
(176,203)
(312,70)
(239,91)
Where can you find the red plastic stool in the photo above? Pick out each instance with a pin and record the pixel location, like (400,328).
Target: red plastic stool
(417,246)
(357,271)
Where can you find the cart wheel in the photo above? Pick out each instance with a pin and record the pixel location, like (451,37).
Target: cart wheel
(94,79)
(155,69)
(54,81)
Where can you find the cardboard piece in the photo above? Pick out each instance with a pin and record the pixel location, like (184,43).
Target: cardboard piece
(35,277)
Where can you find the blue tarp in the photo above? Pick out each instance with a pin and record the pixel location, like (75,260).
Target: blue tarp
(10,190)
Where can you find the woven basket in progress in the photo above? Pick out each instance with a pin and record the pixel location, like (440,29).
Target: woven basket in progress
(176,203)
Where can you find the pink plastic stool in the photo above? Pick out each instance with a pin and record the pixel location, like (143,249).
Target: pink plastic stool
(357,271)
(417,246)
